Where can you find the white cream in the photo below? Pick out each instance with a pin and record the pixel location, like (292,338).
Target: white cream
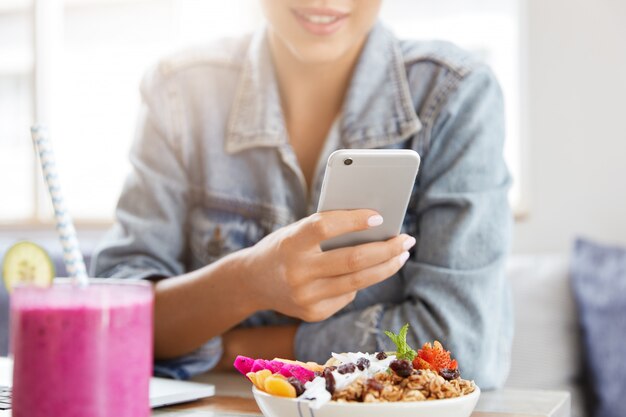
(315,390)
(342,381)
(376,365)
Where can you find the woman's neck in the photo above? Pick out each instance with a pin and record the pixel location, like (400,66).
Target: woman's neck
(317,86)
(311,96)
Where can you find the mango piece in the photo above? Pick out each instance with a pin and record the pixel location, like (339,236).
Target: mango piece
(279,386)
(311,366)
(314,366)
(291,361)
(260,378)
(252,377)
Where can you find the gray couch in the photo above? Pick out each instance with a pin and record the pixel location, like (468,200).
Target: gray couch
(547,348)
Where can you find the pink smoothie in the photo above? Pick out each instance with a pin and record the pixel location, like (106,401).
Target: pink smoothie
(82,352)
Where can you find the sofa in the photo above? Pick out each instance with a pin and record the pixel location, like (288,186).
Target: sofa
(546,351)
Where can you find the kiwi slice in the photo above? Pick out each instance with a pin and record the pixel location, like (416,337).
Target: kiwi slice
(27,263)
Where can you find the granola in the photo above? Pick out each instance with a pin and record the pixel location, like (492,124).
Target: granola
(421,385)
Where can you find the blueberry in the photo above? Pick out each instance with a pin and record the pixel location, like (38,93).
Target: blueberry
(381,356)
(363,363)
(330,380)
(450,374)
(401,367)
(297,384)
(346,368)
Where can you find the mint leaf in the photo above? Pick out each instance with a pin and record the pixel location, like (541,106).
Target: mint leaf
(393,337)
(403,350)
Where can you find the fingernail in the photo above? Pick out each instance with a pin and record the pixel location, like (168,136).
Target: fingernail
(403,257)
(408,243)
(375,220)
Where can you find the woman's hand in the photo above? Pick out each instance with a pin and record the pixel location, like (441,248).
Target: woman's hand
(288,272)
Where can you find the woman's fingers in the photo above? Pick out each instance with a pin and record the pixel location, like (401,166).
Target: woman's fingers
(328,224)
(327,307)
(356,258)
(308,283)
(345,284)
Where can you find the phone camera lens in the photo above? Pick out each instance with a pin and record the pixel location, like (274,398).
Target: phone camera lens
(347,161)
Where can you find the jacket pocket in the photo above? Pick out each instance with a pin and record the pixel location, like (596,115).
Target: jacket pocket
(223,225)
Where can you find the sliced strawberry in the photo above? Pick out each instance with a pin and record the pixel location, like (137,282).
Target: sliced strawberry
(419,363)
(434,357)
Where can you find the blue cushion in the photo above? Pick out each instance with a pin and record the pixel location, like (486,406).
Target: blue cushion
(599,280)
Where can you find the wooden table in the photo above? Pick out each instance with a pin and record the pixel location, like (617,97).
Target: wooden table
(234,398)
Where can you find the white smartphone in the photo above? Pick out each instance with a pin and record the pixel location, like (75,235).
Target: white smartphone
(377,179)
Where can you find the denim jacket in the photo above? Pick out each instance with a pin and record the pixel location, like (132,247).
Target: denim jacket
(213,172)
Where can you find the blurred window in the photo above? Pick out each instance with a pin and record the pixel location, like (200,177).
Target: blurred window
(17,171)
(77,64)
(491,29)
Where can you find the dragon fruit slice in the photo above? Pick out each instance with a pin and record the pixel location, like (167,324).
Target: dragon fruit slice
(259,365)
(303,374)
(281,368)
(243,364)
(274,366)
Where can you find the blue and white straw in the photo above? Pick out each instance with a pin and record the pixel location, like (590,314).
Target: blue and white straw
(72,257)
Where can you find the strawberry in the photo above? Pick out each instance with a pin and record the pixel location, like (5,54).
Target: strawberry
(435,358)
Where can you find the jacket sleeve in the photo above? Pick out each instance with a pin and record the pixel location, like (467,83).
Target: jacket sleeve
(454,285)
(148,237)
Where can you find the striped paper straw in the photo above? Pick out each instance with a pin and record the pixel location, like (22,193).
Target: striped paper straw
(72,257)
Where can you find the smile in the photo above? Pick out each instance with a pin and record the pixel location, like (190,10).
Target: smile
(320,21)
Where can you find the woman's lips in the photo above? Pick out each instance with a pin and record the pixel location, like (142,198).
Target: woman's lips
(320,21)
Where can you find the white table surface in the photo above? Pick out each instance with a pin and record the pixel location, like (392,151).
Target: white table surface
(234,398)
(501,403)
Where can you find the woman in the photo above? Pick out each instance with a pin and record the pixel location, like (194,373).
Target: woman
(227,166)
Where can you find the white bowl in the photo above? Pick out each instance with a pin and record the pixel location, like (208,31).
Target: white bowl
(273,406)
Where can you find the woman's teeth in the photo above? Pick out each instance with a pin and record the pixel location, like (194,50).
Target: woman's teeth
(320,19)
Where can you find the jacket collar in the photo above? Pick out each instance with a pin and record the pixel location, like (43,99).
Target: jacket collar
(378,110)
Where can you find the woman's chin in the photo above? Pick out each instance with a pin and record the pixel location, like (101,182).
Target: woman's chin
(320,53)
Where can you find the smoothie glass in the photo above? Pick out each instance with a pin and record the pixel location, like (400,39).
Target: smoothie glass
(82,351)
